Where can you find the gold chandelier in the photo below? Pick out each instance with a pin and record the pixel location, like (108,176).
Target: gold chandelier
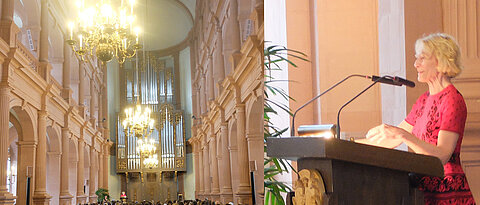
(146,147)
(105,32)
(151,161)
(138,123)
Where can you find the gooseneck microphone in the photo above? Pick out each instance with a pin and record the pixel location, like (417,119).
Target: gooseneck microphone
(398,81)
(292,131)
(378,79)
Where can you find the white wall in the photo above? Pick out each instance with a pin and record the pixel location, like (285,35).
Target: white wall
(276,34)
(113,87)
(391,38)
(186,99)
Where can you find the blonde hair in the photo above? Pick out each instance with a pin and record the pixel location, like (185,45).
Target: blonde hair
(445,49)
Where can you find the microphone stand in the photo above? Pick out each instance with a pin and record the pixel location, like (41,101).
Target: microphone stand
(356,96)
(292,131)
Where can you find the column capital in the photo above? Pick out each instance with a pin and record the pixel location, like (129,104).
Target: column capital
(42,113)
(5,89)
(27,143)
(240,108)
(81,140)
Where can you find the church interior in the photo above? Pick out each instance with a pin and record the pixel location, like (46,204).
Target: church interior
(154,101)
(163,101)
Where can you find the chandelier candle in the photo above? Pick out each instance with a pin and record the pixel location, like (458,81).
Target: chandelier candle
(104,32)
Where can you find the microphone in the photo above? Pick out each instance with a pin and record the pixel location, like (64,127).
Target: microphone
(292,131)
(384,79)
(398,81)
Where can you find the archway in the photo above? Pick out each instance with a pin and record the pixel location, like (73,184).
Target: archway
(232,144)
(72,168)
(255,142)
(24,119)
(86,170)
(12,163)
(53,163)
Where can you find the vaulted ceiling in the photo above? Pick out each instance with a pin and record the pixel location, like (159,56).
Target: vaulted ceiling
(165,23)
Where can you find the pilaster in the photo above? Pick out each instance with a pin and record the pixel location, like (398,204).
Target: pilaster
(65,196)
(201,170)
(40,195)
(44,68)
(81,88)
(196,159)
(91,180)
(106,155)
(214,164)
(100,169)
(80,167)
(232,34)
(226,194)
(219,65)
(5,196)
(8,29)
(66,91)
(243,190)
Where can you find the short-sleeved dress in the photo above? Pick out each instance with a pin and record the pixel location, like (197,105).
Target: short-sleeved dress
(447,111)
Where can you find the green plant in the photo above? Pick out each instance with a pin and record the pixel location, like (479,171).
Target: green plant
(274,166)
(101,193)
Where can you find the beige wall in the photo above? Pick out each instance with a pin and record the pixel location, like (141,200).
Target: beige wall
(340,38)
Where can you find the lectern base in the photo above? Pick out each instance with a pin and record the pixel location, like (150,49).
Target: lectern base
(351,183)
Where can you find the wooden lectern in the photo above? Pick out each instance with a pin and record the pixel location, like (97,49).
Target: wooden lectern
(355,173)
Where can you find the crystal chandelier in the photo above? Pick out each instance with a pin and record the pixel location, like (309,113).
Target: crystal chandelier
(105,32)
(146,147)
(138,123)
(151,161)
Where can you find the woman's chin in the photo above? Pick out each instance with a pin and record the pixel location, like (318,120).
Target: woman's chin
(421,79)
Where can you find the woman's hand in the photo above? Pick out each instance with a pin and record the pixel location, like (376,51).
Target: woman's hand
(386,135)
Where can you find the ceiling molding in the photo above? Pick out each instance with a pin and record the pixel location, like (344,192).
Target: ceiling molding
(182,5)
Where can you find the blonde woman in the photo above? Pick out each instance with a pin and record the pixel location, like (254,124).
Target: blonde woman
(436,123)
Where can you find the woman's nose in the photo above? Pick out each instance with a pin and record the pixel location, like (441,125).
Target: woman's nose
(416,63)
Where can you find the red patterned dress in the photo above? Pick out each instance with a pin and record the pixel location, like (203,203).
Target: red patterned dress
(447,111)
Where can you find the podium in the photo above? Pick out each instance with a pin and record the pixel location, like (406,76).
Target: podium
(356,173)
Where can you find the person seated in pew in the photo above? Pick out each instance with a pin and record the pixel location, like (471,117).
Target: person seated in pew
(436,123)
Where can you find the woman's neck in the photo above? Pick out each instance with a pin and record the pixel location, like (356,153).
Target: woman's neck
(438,84)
